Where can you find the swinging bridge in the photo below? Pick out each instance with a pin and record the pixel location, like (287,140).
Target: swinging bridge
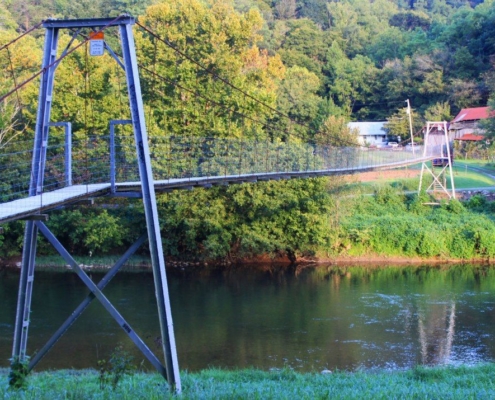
(59,170)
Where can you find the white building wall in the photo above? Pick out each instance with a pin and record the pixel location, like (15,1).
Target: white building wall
(370,133)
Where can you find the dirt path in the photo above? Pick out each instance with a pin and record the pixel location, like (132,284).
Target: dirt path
(392,174)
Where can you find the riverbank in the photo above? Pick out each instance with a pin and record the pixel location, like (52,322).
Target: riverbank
(143,264)
(464,382)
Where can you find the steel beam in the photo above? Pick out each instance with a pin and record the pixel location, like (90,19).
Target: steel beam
(35,187)
(85,303)
(124,22)
(89,23)
(150,207)
(101,298)
(112,150)
(67,150)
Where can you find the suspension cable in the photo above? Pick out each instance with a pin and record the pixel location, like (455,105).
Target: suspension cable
(21,36)
(288,132)
(14,77)
(207,99)
(45,69)
(231,85)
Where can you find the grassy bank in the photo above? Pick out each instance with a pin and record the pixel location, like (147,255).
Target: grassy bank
(419,383)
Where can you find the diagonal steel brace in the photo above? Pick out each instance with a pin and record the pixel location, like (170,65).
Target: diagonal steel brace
(85,303)
(101,298)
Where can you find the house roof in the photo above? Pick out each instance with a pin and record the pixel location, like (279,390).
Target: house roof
(368,128)
(471,137)
(473,114)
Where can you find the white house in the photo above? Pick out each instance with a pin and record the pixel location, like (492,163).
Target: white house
(370,133)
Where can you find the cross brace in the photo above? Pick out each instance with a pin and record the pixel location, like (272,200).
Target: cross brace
(96,292)
(85,303)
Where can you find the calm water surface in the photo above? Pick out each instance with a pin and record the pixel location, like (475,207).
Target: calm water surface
(270,317)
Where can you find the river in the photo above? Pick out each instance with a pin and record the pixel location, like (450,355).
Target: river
(308,319)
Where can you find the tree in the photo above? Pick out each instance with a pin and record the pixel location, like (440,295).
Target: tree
(438,112)
(285,9)
(410,20)
(398,124)
(335,132)
(350,81)
(216,41)
(489,124)
(464,93)
(11,124)
(304,45)
(7,21)
(298,100)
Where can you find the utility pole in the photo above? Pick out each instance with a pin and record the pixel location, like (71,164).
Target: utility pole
(409,113)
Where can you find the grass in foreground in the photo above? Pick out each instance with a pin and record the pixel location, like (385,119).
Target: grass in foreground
(419,383)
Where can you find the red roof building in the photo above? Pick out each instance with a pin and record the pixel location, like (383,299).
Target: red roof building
(470,137)
(466,123)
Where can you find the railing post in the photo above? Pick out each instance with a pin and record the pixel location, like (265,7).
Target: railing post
(68,153)
(67,150)
(113,178)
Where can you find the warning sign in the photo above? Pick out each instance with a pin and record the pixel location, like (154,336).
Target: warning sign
(96,35)
(96,44)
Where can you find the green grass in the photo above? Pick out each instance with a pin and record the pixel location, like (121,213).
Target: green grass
(489,167)
(419,383)
(57,261)
(465,179)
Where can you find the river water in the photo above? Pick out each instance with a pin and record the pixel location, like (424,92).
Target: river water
(308,319)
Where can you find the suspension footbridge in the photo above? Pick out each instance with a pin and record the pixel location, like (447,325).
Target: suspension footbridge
(177,163)
(54,170)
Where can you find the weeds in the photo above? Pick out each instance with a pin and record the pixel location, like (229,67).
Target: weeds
(112,371)
(419,383)
(19,370)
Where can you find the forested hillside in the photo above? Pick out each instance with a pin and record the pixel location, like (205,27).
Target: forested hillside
(356,58)
(305,69)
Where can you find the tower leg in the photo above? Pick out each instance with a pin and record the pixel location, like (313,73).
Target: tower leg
(150,208)
(25,294)
(35,187)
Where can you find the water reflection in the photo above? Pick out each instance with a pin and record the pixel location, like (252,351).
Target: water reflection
(436,327)
(270,317)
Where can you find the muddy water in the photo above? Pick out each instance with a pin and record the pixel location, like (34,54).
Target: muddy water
(309,319)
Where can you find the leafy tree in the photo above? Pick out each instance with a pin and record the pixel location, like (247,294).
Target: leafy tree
(7,21)
(285,9)
(410,20)
(438,112)
(192,101)
(316,10)
(304,45)
(387,46)
(489,124)
(11,124)
(335,132)
(398,124)
(464,93)
(355,23)
(350,81)
(297,99)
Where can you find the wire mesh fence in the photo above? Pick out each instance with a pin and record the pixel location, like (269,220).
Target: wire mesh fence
(178,157)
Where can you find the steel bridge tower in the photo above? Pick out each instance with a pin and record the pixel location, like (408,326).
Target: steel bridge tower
(436,143)
(35,225)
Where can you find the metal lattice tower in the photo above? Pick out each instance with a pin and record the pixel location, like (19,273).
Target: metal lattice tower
(436,142)
(35,225)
